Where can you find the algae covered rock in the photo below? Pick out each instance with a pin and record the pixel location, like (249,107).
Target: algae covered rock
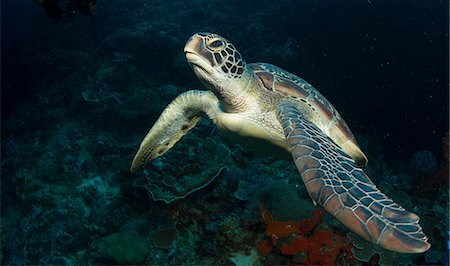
(363,251)
(188,167)
(165,237)
(245,258)
(423,163)
(284,201)
(123,247)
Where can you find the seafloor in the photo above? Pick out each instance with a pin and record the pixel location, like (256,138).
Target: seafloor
(79,94)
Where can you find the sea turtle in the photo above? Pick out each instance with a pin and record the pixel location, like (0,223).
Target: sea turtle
(268,109)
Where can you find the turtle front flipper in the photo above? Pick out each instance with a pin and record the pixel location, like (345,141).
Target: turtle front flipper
(333,180)
(180,116)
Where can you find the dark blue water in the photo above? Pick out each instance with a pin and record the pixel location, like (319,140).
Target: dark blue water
(79,93)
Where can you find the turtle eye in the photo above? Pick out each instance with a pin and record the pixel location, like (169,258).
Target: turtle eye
(216,44)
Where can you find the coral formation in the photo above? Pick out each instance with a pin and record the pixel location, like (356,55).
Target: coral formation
(438,178)
(423,163)
(78,95)
(165,237)
(365,251)
(243,259)
(282,200)
(205,161)
(309,241)
(123,247)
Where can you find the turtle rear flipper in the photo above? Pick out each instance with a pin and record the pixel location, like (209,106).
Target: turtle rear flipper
(180,116)
(335,182)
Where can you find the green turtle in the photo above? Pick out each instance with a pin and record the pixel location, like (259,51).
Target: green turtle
(268,109)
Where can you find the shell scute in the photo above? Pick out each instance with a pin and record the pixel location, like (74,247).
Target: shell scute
(312,103)
(277,80)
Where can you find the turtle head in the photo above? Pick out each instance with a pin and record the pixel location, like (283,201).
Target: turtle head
(217,63)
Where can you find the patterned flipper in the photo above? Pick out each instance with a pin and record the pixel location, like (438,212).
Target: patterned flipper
(180,116)
(333,180)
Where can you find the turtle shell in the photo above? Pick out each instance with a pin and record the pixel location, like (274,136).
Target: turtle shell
(320,111)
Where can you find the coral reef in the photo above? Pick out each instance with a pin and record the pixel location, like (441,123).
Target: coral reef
(165,237)
(123,247)
(282,200)
(366,252)
(243,259)
(430,182)
(79,94)
(423,163)
(170,179)
(309,241)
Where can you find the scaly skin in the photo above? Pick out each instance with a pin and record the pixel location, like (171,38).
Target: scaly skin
(267,108)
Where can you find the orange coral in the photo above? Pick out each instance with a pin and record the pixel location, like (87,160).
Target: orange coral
(265,247)
(316,244)
(280,229)
(326,246)
(298,244)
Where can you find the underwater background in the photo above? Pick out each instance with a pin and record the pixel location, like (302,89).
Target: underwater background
(79,93)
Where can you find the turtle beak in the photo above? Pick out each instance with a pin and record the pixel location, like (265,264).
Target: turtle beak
(197,54)
(192,45)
